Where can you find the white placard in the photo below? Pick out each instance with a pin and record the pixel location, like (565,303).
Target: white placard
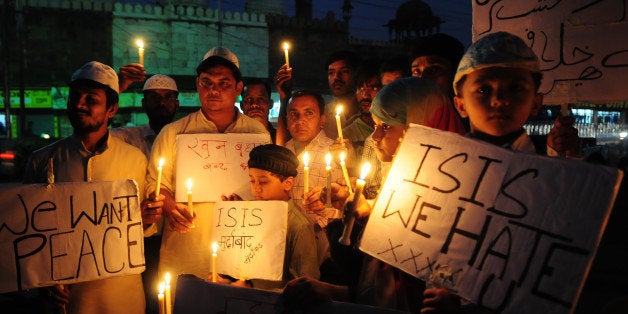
(581,44)
(252,238)
(507,230)
(69,232)
(216,163)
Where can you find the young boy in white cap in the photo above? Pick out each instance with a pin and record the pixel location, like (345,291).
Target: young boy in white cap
(90,154)
(272,169)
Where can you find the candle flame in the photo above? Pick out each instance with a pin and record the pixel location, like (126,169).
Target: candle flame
(189,184)
(140,43)
(306,159)
(328,159)
(338,110)
(162,287)
(215,247)
(342,157)
(365,170)
(161,162)
(167,277)
(286,45)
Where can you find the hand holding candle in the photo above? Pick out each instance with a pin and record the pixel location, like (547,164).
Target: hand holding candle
(159,171)
(286,47)
(349,219)
(306,172)
(338,125)
(345,172)
(190,202)
(328,176)
(214,258)
(140,50)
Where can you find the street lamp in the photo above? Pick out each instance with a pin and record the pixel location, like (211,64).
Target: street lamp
(346,10)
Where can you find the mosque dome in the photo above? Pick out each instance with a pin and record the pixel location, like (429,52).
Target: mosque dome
(414,18)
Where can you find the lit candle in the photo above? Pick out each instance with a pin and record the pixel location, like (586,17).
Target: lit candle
(345,173)
(328,175)
(349,219)
(168,296)
(214,258)
(160,298)
(140,50)
(338,126)
(286,46)
(190,203)
(306,172)
(160,167)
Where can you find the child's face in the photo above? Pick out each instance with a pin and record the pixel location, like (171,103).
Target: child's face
(267,186)
(498,101)
(386,138)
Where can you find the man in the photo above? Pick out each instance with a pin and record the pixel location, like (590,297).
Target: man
(160,104)
(256,103)
(368,80)
(91,154)
(341,66)
(185,240)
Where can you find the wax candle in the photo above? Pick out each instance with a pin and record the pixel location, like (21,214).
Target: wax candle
(306,172)
(160,298)
(160,167)
(286,46)
(190,202)
(338,125)
(168,295)
(345,173)
(214,258)
(349,219)
(328,176)
(140,50)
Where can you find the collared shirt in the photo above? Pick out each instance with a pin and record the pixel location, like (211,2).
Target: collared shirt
(189,253)
(357,132)
(141,137)
(69,161)
(317,149)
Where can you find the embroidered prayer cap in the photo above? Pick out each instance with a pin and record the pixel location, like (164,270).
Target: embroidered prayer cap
(274,158)
(160,81)
(500,49)
(98,72)
(220,56)
(409,100)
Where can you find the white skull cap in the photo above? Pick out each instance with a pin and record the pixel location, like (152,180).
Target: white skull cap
(224,53)
(160,81)
(98,72)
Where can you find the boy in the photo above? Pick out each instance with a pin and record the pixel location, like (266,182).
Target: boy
(272,169)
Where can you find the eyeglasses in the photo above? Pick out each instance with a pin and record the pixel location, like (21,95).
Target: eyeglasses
(260,100)
(368,88)
(220,86)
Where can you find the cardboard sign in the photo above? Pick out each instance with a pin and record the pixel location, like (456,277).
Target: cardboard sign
(194,295)
(69,232)
(252,238)
(581,44)
(216,163)
(506,230)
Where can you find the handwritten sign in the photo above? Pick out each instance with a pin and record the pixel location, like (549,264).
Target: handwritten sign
(194,295)
(503,229)
(69,232)
(581,44)
(216,163)
(252,238)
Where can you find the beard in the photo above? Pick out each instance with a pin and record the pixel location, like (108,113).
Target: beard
(81,123)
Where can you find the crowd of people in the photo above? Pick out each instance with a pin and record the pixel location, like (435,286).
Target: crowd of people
(486,93)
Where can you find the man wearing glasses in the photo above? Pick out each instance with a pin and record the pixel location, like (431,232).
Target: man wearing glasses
(184,247)
(256,103)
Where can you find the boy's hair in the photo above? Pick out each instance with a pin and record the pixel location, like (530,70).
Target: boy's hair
(397,63)
(274,158)
(316,95)
(500,49)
